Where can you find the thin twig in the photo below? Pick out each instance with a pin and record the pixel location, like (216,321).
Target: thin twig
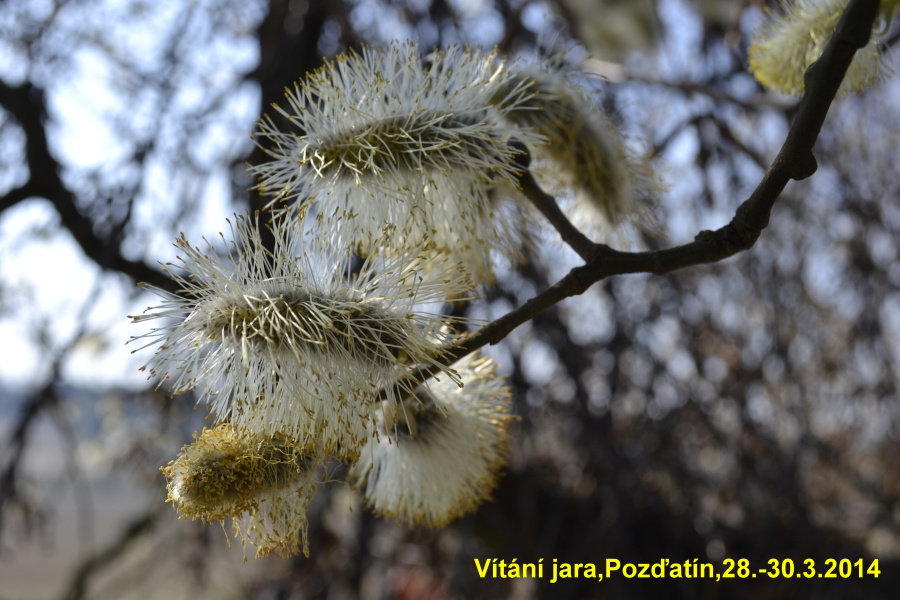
(77,588)
(546,203)
(27,104)
(794,161)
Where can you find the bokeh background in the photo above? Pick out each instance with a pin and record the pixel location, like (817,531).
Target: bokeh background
(746,409)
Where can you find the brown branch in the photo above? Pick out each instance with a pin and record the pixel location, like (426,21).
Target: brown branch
(42,401)
(688,87)
(794,161)
(822,80)
(15,445)
(546,203)
(26,103)
(27,190)
(77,588)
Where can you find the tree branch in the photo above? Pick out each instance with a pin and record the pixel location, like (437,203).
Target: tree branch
(546,203)
(26,103)
(77,588)
(821,82)
(794,161)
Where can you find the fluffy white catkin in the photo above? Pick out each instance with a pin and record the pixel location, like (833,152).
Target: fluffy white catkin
(439,459)
(386,136)
(295,339)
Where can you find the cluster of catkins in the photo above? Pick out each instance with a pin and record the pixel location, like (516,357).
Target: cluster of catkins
(394,191)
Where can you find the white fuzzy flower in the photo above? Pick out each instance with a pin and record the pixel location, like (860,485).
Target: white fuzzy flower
(294,339)
(585,158)
(263,483)
(382,137)
(788,42)
(440,459)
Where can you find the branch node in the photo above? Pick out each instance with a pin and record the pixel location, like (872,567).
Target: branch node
(805,166)
(705,236)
